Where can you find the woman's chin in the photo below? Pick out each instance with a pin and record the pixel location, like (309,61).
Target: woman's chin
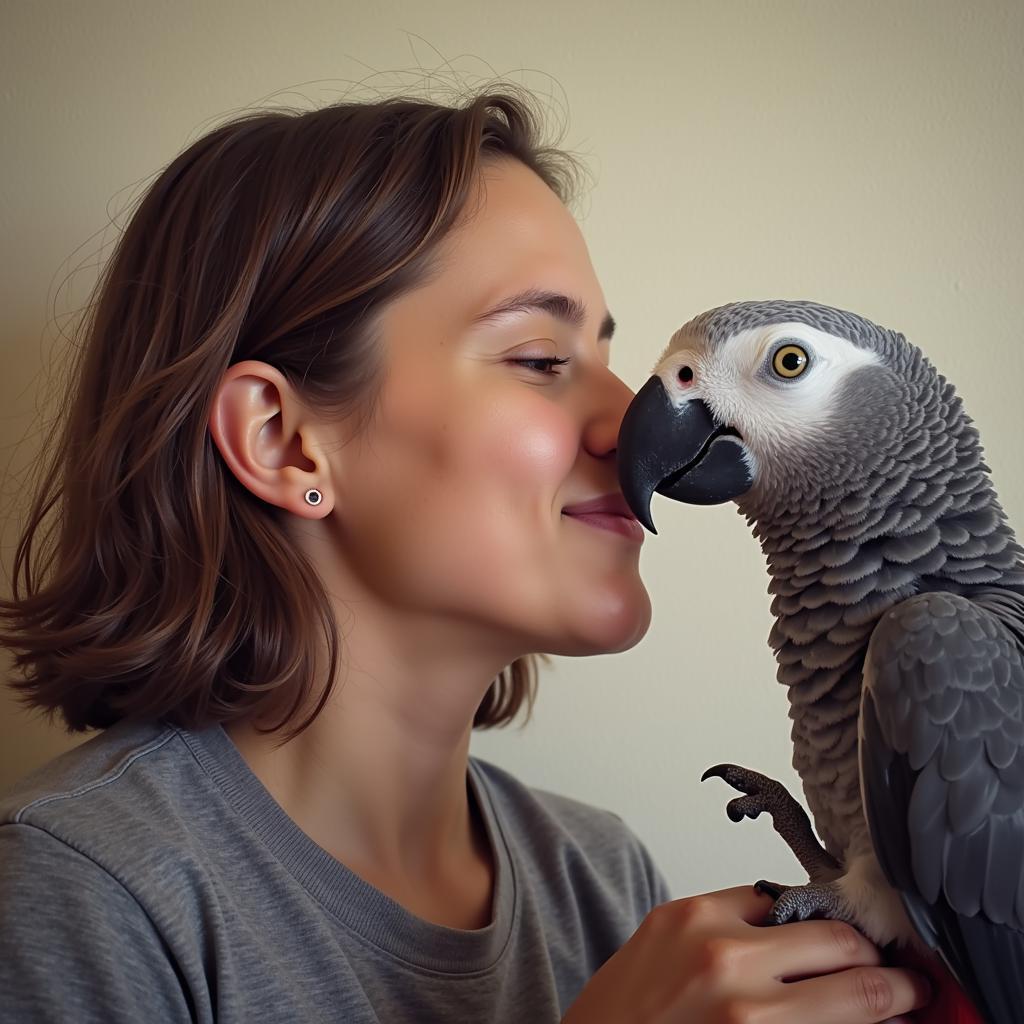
(609,623)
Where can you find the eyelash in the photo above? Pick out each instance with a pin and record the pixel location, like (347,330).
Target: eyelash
(549,361)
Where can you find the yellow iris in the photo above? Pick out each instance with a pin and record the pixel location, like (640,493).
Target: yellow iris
(790,361)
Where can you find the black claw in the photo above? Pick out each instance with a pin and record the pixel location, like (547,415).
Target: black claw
(772,889)
(717,771)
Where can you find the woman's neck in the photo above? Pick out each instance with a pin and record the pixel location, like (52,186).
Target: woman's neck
(379,780)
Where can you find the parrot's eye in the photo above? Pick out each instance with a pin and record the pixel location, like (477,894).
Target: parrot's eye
(789,361)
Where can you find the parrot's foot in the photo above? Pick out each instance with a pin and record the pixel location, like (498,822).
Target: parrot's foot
(800,902)
(788,818)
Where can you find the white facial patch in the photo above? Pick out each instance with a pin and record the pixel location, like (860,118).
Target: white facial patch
(736,382)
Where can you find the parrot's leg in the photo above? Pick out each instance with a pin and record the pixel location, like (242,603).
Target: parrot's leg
(789,819)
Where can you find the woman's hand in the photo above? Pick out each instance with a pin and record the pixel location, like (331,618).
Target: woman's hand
(708,960)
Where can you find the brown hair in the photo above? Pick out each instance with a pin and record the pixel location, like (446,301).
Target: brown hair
(171,590)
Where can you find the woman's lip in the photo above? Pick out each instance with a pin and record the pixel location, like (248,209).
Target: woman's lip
(613,504)
(626,526)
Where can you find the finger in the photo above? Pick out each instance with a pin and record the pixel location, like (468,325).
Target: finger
(861,995)
(803,949)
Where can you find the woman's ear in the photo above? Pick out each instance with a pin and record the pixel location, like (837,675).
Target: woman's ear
(268,440)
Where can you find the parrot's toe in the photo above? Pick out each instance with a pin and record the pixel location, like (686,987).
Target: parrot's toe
(801,902)
(738,777)
(773,889)
(763,793)
(744,807)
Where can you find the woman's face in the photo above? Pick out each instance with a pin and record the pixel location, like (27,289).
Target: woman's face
(450,504)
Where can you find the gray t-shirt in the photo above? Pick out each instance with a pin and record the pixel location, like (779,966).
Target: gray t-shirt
(147,876)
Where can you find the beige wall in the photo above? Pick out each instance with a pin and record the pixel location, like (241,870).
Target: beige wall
(865,154)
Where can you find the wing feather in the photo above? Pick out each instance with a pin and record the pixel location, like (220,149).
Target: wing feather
(942,773)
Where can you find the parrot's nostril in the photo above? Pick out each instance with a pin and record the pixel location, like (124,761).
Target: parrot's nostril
(685,374)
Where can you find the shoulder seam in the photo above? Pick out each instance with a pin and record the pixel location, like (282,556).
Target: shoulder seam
(96,784)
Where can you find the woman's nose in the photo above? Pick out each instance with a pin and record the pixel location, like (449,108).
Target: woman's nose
(610,398)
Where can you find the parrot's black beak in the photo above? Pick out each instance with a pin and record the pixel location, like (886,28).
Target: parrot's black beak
(679,452)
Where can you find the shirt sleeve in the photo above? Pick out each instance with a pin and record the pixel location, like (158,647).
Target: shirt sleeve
(660,892)
(74,943)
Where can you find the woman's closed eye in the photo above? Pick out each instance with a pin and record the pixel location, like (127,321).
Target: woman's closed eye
(542,364)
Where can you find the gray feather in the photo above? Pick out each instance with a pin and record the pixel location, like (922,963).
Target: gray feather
(955,720)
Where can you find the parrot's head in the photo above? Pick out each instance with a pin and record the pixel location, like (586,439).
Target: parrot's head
(768,404)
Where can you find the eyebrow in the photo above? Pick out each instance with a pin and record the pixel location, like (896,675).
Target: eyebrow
(561,307)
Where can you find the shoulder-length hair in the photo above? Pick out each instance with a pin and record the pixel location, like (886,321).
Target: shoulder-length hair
(162,587)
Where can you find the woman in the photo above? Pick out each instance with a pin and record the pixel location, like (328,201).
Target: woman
(339,457)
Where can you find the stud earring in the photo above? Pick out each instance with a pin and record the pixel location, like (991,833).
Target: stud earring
(313,496)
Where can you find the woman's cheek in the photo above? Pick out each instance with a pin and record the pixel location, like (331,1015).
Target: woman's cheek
(537,444)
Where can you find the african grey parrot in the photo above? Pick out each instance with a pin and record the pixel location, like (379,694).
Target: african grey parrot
(899,618)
